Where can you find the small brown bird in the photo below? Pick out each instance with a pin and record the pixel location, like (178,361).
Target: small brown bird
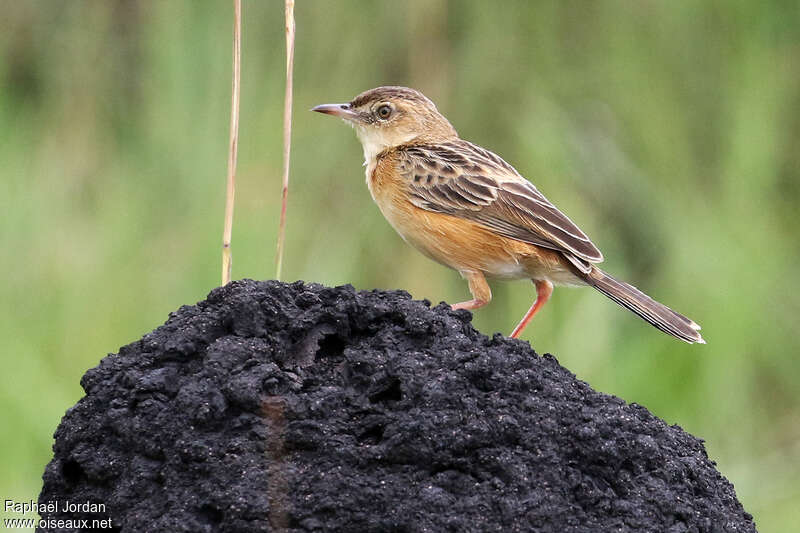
(466,208)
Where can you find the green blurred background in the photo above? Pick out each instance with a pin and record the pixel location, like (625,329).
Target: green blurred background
(669,131)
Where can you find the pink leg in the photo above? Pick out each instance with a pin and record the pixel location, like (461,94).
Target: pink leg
(481,293)
(469,304)
(543,291)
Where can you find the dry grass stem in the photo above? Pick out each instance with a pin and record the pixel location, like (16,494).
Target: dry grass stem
(287,133)
(227,258)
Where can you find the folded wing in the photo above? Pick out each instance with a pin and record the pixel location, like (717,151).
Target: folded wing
(464,180)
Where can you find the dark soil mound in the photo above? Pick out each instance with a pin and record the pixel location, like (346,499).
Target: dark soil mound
(275,406)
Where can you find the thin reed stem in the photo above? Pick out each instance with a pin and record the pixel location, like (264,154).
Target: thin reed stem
(287,133)
(227,257)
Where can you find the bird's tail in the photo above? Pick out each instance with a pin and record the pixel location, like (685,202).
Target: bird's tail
(659,315)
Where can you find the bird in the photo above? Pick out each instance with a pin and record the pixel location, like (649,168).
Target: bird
(468,209)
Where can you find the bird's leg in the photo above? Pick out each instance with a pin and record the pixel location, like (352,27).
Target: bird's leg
(481,293)
(543,291)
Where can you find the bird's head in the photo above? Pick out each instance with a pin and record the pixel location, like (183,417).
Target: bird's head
(386,117)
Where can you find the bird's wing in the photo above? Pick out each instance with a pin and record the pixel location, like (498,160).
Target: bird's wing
(464,180)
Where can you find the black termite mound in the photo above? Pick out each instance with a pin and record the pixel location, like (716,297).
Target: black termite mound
(297,407)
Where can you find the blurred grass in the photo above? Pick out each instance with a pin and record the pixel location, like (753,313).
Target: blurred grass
(668,130)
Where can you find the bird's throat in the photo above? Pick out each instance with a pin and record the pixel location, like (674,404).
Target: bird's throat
(375,140)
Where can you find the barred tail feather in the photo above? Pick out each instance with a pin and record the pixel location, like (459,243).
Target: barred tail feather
(657,314)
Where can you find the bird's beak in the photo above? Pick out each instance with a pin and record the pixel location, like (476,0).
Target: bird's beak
(337,110)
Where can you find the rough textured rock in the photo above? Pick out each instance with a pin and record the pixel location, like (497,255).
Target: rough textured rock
(297,407)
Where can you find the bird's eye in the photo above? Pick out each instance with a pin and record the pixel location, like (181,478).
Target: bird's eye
(384,111)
